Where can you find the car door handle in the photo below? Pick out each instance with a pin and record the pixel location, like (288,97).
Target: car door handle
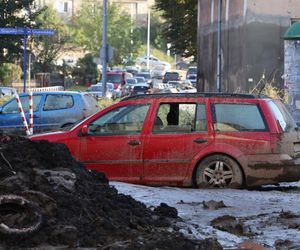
(200,140)
(134,143)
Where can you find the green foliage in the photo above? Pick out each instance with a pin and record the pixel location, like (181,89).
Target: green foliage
(157,53)
(156,30)
(180,27)
(86,70)
(9,73)
(14,14)
(47,48)
(87,32)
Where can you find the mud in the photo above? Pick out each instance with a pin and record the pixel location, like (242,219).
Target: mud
(76,207)
(229,224)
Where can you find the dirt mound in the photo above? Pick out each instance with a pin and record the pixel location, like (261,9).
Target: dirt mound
(49,199)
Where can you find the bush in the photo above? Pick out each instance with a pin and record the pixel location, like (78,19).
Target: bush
(9,73)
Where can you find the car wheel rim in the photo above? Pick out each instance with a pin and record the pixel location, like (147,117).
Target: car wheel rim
(218,174)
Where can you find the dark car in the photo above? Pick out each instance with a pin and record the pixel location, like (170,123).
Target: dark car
(217,140)
(147,77)
(140,89)
(51,110)
(171,76)
(191,75)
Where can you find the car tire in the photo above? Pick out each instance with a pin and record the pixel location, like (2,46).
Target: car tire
(219,171)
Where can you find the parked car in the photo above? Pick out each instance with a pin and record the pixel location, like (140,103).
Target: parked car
(171,76)
(153,61)
(140,79)
(130,82)
(147,77)
(217,140)
(51,110)
(191,75)
(140,89)
(97,90)
(158,71)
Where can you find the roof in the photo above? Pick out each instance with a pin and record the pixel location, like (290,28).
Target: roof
(197,94)
(293,32)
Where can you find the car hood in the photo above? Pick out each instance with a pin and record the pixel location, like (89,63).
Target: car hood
(50,136)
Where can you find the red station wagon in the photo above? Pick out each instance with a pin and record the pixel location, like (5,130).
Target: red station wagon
(200,139)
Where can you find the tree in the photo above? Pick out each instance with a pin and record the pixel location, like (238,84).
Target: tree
(15,14)
(87,31)
(180,26)
(47,48)
(156,38)
(9,73)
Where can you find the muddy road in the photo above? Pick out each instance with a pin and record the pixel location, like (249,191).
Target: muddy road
(265,218)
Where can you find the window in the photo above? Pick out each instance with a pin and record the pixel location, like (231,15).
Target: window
(180,117)
(237,117)
(54,102)
(283,117)
(123,120)
(65,6)
(12,107)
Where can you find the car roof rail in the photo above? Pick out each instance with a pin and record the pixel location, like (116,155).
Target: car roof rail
(197,94)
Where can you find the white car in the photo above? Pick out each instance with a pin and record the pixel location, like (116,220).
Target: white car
(158,71)
(153,61)
(96,90)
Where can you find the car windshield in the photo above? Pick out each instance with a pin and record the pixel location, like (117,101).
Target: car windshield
(114,78)
(192,71)
(96,88)
(131,81)
(146,76)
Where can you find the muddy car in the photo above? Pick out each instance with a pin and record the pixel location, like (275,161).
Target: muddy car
(196,139)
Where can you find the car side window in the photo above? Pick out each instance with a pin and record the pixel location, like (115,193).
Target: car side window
(127,119)
(230,117)
(176,118)
(12,107)
(54,102)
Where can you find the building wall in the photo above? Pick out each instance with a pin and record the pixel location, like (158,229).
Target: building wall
(252,41)
(68,8)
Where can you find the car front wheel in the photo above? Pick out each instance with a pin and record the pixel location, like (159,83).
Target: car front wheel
(219,171)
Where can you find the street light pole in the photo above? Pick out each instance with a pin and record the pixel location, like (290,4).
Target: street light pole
(104,48)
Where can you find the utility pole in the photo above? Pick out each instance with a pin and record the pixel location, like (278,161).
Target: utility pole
(148,40)
(219,57)
(103,53)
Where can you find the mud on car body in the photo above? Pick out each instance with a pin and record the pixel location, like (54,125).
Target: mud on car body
(202,139)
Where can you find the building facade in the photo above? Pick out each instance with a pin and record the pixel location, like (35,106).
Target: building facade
(68,8)
(252,44)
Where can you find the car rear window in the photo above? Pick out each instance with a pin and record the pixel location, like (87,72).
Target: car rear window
(140,88)
(90,100)
(54,102)
(282,115)
(231,117)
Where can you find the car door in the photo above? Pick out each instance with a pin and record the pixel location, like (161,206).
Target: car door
(179,133)
(10,117)
(114,143)
(58,110)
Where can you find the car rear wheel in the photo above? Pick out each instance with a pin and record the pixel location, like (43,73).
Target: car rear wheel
(219,171)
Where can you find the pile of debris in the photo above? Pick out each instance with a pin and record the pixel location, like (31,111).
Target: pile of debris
(48,199)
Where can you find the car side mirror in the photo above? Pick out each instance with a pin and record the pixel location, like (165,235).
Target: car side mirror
(84,130)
